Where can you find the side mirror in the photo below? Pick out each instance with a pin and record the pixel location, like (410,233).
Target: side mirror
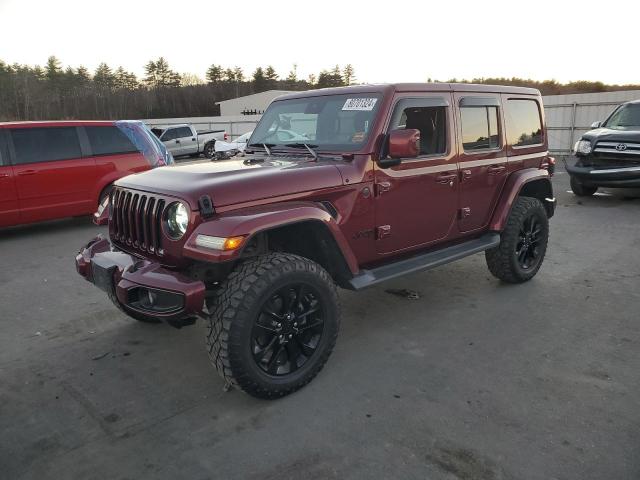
(596,124)
(401,144)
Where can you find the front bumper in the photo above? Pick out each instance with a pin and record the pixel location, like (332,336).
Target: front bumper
(140,285)
(606,176)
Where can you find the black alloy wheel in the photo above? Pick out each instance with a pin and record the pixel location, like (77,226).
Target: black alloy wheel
(272,324)
(527,249)
(288,330)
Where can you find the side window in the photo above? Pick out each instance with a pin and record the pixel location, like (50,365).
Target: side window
(34,145)
(183,132)
(4,158)
(431,121)
(109,140)
(170,134)
(524,126)
(479,128)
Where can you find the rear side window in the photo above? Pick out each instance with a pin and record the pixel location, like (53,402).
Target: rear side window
(34,145)
(109,141)
(4,158)
(479,128)
(524,126)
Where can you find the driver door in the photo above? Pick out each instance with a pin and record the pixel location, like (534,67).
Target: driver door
(416,201)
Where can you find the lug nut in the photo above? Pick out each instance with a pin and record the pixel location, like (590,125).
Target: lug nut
(290,336)
(295,324)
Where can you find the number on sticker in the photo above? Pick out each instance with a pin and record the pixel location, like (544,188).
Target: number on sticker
(363,104)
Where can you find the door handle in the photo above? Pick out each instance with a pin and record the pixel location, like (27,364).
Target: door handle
(446,178)
(495,169)
(4,175)
(27,172)
(177,141)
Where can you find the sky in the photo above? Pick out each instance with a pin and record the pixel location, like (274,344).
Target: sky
(385,41)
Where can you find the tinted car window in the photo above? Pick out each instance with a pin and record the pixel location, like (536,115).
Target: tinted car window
(183,132)
(109,140)
(3,155)
(431,121)
(169,134)
(524,126)
(45,144)
(479,128)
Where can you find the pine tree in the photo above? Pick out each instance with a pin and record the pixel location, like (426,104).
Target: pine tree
(103,76)
(259,80)
(214,74)
(348,74)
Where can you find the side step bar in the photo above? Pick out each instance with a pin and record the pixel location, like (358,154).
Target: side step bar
(425,261)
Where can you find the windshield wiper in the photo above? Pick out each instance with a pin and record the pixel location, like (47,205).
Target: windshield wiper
(309,147)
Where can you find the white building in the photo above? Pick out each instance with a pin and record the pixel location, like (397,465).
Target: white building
(250,104)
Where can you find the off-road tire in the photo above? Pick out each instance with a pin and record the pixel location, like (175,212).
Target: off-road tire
(502,260)
(236,307)
(210,150)
(580,189)
(141,317)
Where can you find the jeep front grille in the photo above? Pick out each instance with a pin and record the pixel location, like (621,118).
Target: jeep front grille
(136,220)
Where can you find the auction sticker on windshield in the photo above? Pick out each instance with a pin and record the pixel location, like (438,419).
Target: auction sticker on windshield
(362,104)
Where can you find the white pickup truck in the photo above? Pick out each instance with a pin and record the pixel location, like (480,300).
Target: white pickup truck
(185,140)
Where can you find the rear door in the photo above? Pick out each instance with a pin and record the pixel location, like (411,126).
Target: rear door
(9,208)
(53,178)
(483,160)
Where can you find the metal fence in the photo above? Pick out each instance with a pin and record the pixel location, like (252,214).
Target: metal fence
(569,116)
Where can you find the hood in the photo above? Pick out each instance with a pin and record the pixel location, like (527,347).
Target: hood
(236,181)
(613,135)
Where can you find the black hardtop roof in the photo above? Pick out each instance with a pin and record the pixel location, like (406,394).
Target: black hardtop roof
(413,87)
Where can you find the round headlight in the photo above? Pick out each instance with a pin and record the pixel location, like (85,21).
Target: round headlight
(177,220)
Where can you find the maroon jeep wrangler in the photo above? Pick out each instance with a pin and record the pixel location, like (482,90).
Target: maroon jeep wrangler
(347,186)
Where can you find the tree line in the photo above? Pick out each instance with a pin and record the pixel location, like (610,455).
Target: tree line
(53,92)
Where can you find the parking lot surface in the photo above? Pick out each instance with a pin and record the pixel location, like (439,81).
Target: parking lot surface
(472,380)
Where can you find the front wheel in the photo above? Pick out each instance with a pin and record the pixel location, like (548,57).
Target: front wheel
(580,189)
(273,324)
(523,242)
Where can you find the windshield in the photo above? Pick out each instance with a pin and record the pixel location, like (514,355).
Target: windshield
(332,122)
(626,116)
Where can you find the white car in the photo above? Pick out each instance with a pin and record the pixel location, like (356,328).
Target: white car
(230,149)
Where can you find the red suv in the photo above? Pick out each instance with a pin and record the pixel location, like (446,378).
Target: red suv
(58,169)
(377,182)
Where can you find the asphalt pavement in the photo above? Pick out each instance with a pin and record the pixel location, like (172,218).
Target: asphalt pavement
(473,379)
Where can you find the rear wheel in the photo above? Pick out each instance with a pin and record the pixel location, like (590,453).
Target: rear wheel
(210,150)
(580,189)
(273,324)
(523,243)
